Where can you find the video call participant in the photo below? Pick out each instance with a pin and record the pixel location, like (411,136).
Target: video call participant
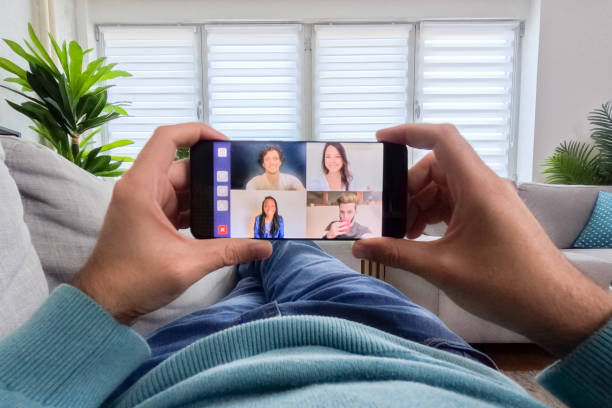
(269,224)
(271,159)
(347,227)
(336,174)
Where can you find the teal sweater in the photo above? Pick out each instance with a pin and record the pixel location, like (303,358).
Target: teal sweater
(73,354)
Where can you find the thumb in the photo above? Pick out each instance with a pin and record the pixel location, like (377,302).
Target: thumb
(217,253)
(415,256)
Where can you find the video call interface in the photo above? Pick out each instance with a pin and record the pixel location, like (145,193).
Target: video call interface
(297,190)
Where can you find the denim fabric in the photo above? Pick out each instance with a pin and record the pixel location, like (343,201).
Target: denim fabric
(301,279)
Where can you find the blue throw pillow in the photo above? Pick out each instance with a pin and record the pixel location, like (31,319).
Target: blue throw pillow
(598,231)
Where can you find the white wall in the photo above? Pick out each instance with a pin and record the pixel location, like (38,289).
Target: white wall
(574,71)
(529,81)
(13,26)
(191,11)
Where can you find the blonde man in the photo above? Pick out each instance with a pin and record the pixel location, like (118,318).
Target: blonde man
(346,227)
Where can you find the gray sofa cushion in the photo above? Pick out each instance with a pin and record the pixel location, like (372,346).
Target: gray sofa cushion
(22,283)
(596,264)
(64,206)
(562,210)
(64,211)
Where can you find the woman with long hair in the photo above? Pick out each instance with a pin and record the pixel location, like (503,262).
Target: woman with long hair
(269,224)
(336,174)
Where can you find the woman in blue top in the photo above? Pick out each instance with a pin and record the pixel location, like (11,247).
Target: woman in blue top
(269,224)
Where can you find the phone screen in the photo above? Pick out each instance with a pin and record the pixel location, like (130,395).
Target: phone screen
(291,190)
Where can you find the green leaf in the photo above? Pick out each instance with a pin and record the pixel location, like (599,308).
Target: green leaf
(100,163)
(40,62)
(99,90)
(114,108)
(88,137)
(21,93)
(90,155)
(115,173)
(25,87)
(43,82)
(96,122)
(114,74)
(21,52)
(58,114)
(34,114)
(601,133)
(76,65)
(46,136)
(95,78)
(12,68)
(113,145)
(97,109)
(65,52)
(573,163)
(61,55)
(42,50)
(91,68)
(124,159)
(112,166)
(66,98)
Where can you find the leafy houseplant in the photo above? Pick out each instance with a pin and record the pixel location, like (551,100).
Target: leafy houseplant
(66,103)
(582,163)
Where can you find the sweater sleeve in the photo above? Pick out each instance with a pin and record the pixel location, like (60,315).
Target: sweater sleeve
(70,353)
(584,377)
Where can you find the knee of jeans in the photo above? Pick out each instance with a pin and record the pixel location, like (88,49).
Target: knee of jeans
(291,248)
(284,244)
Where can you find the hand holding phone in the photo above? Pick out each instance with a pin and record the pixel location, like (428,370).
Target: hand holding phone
(141,262)
(338,228)
(495,260)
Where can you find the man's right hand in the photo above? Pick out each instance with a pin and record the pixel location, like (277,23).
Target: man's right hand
(495,260)
(336,228)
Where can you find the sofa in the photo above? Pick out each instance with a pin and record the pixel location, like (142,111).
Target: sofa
(52,212)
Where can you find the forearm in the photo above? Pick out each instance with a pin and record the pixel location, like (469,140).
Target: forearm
(70,353)
(568,309)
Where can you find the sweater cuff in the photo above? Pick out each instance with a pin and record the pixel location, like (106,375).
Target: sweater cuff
(70,352)
(582,378)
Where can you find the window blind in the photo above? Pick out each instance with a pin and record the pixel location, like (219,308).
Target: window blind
(254,80)
(360,79)
(465,76)
(164,88)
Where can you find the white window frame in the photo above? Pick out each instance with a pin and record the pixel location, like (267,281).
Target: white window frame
(308,54)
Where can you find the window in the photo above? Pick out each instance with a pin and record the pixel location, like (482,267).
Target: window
(164,88)
(466,77)
(360,79)
(321,81)
(254,80)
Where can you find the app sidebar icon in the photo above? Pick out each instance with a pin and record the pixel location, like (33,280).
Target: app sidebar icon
(222,182)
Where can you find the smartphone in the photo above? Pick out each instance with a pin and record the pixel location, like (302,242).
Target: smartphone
(298,190)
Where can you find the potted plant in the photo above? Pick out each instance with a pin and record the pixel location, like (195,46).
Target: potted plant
(581,163)
(68,104)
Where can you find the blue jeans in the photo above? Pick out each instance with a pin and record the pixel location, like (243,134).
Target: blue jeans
(300,279)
